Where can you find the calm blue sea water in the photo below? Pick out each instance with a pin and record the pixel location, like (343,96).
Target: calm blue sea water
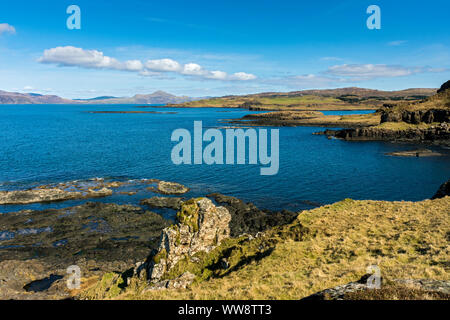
(42,144)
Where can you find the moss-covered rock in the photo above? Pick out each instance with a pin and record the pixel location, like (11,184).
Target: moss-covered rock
(201,227)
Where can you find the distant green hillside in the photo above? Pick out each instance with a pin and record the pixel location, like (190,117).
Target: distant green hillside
(335,99)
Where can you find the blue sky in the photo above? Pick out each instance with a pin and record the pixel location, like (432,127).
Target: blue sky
(211,48)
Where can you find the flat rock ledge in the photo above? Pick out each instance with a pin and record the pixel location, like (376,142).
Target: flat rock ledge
(166,187)
(201,226)
(415,153)
(49,195)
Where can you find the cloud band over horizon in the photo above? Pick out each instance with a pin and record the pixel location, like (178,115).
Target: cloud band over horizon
(69,56)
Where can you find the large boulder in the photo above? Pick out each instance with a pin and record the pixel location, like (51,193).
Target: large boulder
(201,226)
(167,187)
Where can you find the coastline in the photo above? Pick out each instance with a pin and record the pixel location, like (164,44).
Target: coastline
(103,245)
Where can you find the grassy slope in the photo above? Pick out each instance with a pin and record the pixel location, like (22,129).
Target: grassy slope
(408,240)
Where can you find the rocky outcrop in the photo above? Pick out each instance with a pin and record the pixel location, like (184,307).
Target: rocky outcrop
(201,226)
(439,134)
(247,218)
(48,195)
(444,190)
(444,87)
(163,202)
(416,116)
(166,187)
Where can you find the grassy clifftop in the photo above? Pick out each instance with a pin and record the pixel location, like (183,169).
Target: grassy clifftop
(322,248)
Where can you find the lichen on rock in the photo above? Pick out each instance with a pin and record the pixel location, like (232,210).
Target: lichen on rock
(201,226)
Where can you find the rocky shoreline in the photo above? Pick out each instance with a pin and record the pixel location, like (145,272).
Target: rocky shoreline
(37,246)
(426,121)
(437,135)
(125,244)
(201,246)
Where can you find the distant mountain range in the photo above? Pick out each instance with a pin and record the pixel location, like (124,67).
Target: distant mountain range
(161,97)
(158,97)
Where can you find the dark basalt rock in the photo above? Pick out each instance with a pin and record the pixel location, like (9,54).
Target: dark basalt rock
(97,237)
(444,190)
(444,87)
(247,218)
(439,134)
(416,117)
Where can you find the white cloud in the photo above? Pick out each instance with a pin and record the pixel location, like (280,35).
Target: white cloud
(163,65)
(72,56)
(242,76)
(369,71)
(397,43)
(28,88)
(219,75)
(7,28)
(134,65)
(309,81)
(331,59)
(193,69)
(350,73)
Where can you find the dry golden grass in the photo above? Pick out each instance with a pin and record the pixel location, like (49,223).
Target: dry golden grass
(312,118)
(437,101)
(297,103)
(395,126)
(407,240)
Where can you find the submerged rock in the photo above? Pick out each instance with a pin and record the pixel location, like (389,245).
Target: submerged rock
(49,195)
(444,190)
(415,153)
